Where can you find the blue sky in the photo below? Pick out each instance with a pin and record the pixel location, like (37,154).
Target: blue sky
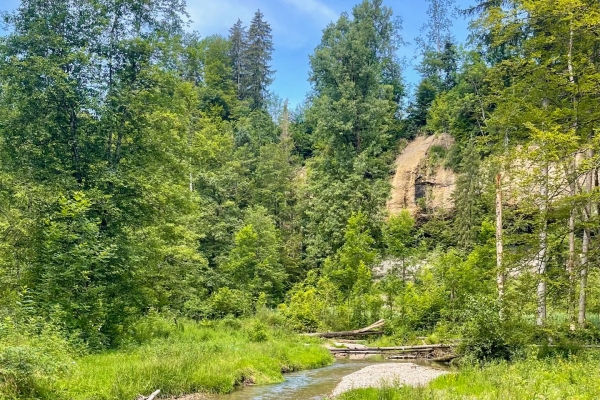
(297,27)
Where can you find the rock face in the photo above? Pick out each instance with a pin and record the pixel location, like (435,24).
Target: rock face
(418,182)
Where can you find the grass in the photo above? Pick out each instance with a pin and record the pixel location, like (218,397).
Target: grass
(529,379)
(210,358)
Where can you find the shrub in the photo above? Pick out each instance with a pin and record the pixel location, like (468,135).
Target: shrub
(257,332)
(154,326)
(486,335)
(231,323)
(30,359)
(227,301)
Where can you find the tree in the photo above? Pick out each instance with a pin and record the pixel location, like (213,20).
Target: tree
(398,238)
(217,92)
(254,264)
(347,268)
(468,198)
(100,155)
(258,53)
(238,37)
(355,103)
(438,27)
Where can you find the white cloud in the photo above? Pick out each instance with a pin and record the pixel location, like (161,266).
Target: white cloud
(317,9)
(295,23)
(210,16)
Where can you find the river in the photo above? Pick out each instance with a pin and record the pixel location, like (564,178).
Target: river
(302,385)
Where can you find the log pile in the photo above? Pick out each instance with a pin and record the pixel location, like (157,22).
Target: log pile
(373,329)
(436,352)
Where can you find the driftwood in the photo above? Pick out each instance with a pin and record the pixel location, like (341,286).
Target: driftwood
(446,358)
(399,349)
(436,352)
(151,397)
(372,329)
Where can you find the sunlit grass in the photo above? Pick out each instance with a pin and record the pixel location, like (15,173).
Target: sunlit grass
(529,379)
(211,359)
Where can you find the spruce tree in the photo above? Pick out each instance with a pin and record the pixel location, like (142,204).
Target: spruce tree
(257,68)
(238,36)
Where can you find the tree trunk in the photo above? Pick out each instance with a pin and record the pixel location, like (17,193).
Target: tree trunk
(499,247)
(585,246)
(573,189)
(571,270)
(541,262)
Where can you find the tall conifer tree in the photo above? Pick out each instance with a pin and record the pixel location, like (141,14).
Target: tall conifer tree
(258,58)
(238,36)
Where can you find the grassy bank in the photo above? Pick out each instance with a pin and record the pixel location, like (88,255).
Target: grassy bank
(188,358)
(529,379)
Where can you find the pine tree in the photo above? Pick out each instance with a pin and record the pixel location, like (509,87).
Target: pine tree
(439,64)
(257,68)
(238,37)
(438,27)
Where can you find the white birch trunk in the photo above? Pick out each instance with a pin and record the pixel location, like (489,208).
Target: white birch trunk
(541,261)
(571,269)
(585,247)
(500,276)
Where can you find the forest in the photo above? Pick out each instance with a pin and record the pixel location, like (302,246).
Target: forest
(161,206)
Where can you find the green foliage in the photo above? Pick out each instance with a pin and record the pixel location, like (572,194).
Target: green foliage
(250,55)
(349,269)
(489,334)
(254,264)
(177,364)
(226,301)
(310,302)
(32,357)
(552,379)
(399,239)
(147,178)
(353,116)
(257,332)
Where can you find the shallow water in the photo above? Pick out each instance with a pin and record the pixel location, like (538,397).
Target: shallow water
(306,385)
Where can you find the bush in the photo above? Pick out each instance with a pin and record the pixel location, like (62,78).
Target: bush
(487,336)
(257,332)
(231,323)
(560,342)
(154,326)
(30,359)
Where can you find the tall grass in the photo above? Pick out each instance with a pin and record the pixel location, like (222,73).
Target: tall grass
(186,358)
(528,379)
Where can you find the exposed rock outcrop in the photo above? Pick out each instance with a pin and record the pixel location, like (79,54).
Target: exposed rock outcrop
(420,183)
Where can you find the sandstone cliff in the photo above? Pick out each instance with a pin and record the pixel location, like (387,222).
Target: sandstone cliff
(419,182)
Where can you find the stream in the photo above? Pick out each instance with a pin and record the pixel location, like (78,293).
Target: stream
(310,384)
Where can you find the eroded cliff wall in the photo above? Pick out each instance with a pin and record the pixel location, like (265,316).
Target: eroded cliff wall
(419,182)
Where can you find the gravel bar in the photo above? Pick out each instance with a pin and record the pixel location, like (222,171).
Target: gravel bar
(387,374)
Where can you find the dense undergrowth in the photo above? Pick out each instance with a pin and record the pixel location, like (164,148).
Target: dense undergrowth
(532,378)
(176,356)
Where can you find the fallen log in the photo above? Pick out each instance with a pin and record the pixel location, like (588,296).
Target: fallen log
(404,357)
(372,329)
(446,358)
(418,348)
